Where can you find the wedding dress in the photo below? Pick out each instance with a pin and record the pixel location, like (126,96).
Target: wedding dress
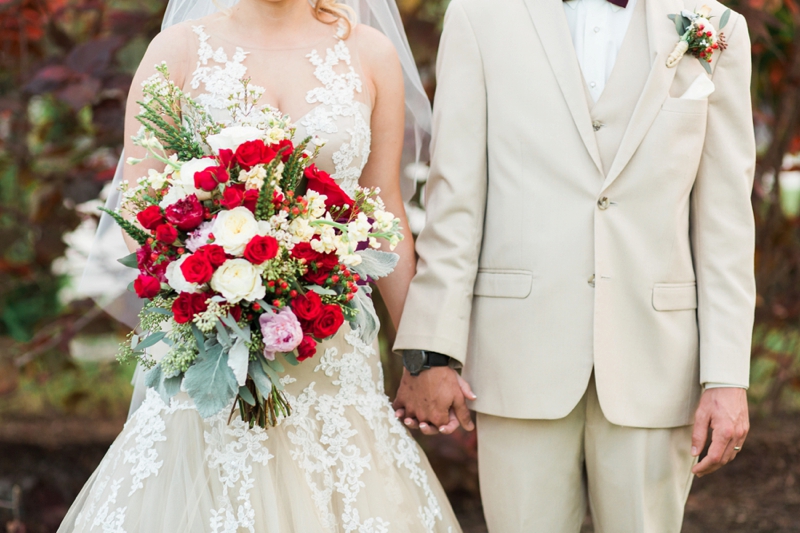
(341,462)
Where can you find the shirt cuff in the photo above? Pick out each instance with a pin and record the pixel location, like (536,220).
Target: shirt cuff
(713,385)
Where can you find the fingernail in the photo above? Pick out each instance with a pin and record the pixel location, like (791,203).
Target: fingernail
(407,422)
(423,426)
(694,451)
(441,429)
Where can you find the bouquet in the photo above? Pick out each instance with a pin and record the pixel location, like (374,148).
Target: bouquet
(249,255)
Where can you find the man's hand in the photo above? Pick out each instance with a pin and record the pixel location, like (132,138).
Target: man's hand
(434,401)
(724,410)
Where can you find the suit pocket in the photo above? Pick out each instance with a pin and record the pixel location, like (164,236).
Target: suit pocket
(503,283)
(686,105)
(675,296)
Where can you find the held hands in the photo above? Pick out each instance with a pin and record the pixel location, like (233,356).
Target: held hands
(724,410)
(434,401)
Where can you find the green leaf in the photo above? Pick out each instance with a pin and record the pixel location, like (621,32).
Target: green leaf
(276,365)
(222,335)
(129,261)
(260,378)
(210,382)
(376,264)
(273,376)
(291,359)
(246,395)
(200,340)
(723,21)
(706,64)
(150,340)
(130,288)
(159,310)
(231,323)
(321,290)
(164,386)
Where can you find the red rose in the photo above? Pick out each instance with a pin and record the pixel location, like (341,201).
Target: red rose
(146,286)
(286,153)
(197,269)
(214,253)
(187,305)
(150,218)
(320,269)
(322,182)
(233,196)
(209,178)
(166,233)
(225,158)
(307,307)
(236,312)
(186,213)
(250,199)
(307,348)
(251,153)
(328,322)
(261,249)
(147,264)
(304,251)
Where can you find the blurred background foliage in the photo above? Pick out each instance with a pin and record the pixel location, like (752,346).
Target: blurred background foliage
(65,68)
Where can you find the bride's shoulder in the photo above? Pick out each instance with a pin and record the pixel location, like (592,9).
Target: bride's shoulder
(173,46)
(376,52)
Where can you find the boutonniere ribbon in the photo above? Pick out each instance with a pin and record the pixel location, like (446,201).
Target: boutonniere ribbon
(698,36)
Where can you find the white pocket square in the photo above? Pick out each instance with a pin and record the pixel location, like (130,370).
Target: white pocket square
(700,88)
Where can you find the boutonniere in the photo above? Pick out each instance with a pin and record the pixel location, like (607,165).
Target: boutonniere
(698,36)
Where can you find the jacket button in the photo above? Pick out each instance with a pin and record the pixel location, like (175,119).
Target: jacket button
(596,125)
(591,281)
(603,203)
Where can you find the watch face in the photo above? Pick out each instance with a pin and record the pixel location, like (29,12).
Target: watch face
(414,360)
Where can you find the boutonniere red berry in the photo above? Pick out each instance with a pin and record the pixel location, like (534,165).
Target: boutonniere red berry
(698,36)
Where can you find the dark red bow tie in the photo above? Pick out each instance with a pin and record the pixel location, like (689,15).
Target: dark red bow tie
(620,3)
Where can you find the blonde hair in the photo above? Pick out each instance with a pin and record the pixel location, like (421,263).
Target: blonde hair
(341,13)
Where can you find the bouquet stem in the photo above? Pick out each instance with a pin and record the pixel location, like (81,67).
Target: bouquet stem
(267,412)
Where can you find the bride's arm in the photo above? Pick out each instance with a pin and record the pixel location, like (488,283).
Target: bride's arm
(385,81)
(171,47)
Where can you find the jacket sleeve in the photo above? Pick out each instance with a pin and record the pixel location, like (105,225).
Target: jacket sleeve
(723,229)
(438,307)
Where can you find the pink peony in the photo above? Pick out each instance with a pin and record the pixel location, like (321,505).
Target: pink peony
(199,237)
(282,332)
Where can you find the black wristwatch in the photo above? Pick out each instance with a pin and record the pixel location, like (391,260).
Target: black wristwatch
(416,361)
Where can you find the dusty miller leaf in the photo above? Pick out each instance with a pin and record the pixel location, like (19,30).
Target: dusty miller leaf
(366,320)
(210,382)
(376,264)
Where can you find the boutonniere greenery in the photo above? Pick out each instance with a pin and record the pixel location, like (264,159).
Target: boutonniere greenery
(698,36)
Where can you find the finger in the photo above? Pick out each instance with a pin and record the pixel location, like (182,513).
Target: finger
(463,414)
(466,390)
(411,423)
(720,441)
(400,413)
(451,426)
(700,432)
(428,429)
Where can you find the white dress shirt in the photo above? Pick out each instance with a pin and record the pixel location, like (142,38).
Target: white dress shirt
(598,28)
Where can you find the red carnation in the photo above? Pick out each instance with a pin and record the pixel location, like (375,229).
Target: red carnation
(186,213)
(328,322)
(150,218)
(251,153)
(146,286)
(307,348)
(323,183)
(261,249)
(166,233)
(197,269)
(307,307)
(214,253)
(187,305)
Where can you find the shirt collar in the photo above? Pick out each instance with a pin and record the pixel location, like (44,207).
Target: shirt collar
(615,8)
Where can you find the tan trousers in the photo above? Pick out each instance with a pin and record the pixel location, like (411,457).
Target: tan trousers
(536,475)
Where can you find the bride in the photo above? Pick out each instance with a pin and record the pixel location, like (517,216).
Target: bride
(341,462)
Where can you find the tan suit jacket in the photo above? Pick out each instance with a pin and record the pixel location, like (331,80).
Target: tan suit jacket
(550,252)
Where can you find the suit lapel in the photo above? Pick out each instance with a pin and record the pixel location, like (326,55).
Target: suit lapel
(551,25)
(662,38)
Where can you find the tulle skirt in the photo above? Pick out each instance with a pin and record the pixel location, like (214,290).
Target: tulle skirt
(340,463)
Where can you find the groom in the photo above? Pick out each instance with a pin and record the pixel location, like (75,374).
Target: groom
(588,258)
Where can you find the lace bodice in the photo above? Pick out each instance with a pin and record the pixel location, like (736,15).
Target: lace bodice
(323,90)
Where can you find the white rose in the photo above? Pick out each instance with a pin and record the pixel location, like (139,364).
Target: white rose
(174,193)
(231,138)
(233,229)
(175,277)
(238,279)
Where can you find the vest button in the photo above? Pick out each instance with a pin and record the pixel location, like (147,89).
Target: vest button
(603,203)
(596,125)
